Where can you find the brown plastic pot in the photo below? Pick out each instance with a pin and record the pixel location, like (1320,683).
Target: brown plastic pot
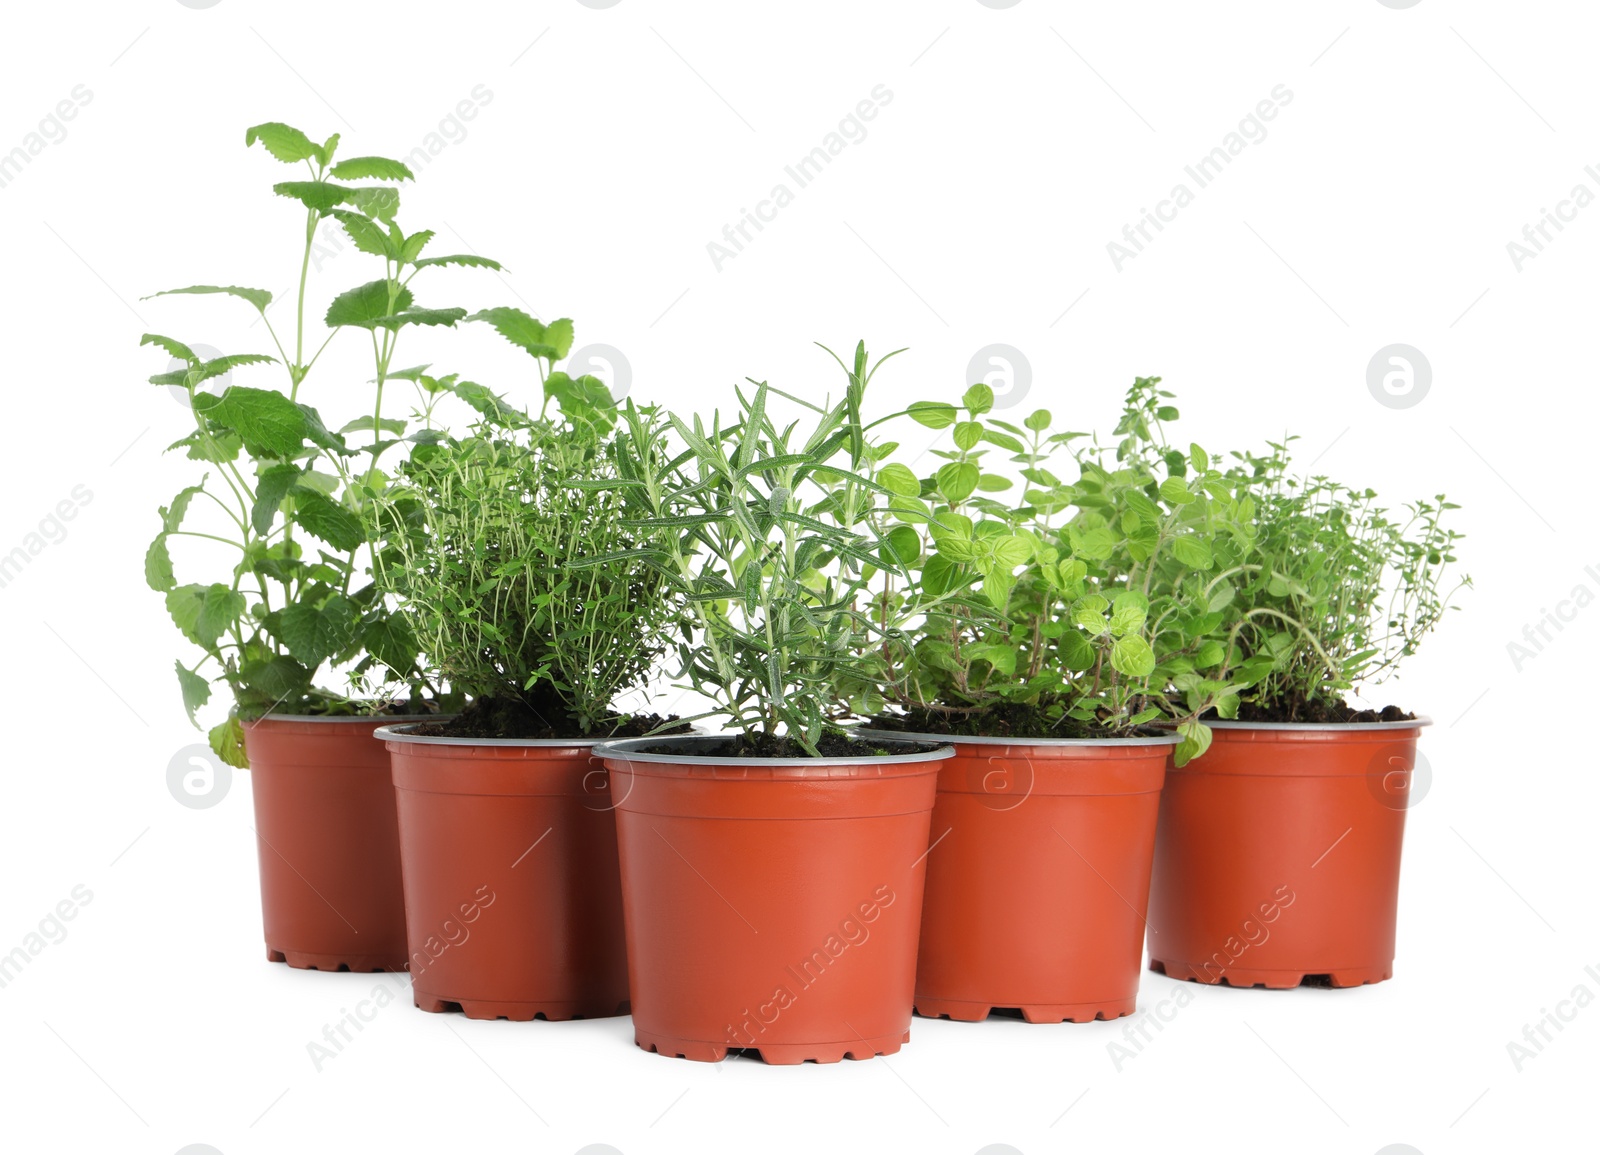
(1039,877)
(771,904)
(509,852)
(327,844)
(1278,855)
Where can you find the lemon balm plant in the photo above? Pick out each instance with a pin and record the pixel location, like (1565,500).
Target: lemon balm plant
(287,495)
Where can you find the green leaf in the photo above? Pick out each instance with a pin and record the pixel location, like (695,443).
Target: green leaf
(371,168)
(1002,658)
(367,306)
(375,200)
(364,425)
(966,434)
(526,333)
(1174,491)
(899,480)
(260,298)
(196,691)
(1196,741)
(1192,551)
(902,545)
(389,639)
(1076,651)
(317,195)
(176,348)
(269,422)
(227,740)
(1131,655)
(933,414)
(446,317)
(278,677)
(1199,458)
(414,245)
(994,483)
(1012,550)
(328,521)
(957,480)
(272,487)
(1038,420)
(364,234)
(466,260)
(978,399)
(315,633)
(203,613)
(289,145)
(158,565)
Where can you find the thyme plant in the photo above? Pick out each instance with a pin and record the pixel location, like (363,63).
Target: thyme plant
(1337,592)
(514,555)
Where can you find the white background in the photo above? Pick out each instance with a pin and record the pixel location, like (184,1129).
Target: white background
(977,210)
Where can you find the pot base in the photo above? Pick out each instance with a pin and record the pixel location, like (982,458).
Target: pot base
(305,961)
(517,1011)
(1272,979)
(775,1054)
(966,1012)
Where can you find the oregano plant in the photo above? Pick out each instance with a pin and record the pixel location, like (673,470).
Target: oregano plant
(286,500)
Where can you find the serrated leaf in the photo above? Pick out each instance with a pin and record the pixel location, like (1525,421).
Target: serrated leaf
(389,639)
(203,613)
(317,195)
(365,234)
(364,425)
(176,348)
(158,566)
(466,260)
(328,521)
(260,298)
(272,487)
(414,245)
(227,741)
(196,691)
(447,317)
(523,331)
(278,677)
(268,422)
(313,634)
(288,144)
(371,168)
(367,306)
(376,201)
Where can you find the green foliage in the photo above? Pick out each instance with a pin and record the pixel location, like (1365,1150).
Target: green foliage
(1338,590)
(767,531)
(290,522)
(521,578)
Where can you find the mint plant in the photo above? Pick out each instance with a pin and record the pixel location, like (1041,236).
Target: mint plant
(767,531)
(1337,591)
(514,555)
(289,498)
(1081,610)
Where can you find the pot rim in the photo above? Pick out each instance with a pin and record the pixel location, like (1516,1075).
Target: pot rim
(1332,727)
(625,749)
(1065,743)
(346,718)
(399,732)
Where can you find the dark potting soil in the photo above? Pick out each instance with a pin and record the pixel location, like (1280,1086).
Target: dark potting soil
(832,744)
(515,718)
(1005,720)
(1317,712)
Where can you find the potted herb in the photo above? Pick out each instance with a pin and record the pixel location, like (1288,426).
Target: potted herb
(1076,608)
(512,557)
(772,876)
(279,516)
(1302,799)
